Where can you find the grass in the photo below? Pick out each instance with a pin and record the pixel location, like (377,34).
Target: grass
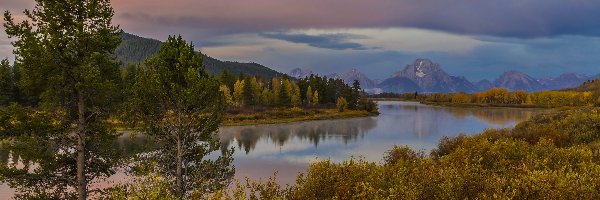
(276,116)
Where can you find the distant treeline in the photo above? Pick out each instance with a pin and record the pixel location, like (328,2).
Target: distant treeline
(241,91)
(504,97)
(315,91)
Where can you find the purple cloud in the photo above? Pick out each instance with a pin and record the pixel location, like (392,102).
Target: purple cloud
(514,18)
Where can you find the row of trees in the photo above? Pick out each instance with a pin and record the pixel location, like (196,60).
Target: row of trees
(250,91)
(502,96)
(65,88)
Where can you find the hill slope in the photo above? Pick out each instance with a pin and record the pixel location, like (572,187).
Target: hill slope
(135,49)
(588,86)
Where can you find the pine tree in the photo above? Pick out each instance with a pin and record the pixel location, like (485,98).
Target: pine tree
(64,49)
(227,78)
(295,95)
(248,92)
(285,96)
(7,83)
(266,97)
(181,107)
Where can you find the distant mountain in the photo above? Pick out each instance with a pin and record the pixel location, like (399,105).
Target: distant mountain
(135,49)
(300,73)
(515,80)
(431,78)
(334,76)
(484,85)
(399,85)
(377,81)
(354,74)
(566,80)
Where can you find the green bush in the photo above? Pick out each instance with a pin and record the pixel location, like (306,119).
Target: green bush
(341,104)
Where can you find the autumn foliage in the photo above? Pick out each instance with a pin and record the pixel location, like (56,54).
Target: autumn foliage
(551,156)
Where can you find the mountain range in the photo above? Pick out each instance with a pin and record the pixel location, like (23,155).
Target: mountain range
(423,75)
(135,49)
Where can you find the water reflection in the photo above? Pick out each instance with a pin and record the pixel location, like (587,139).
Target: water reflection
(288,148)
(349,130)
(397,118)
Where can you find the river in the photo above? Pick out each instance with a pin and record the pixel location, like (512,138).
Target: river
(288,149)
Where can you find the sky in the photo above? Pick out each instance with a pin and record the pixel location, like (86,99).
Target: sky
(472,38)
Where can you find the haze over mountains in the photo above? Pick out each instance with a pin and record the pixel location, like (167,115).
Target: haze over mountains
(423,75)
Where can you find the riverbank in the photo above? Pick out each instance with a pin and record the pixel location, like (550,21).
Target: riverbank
(467,105)
(276,116)
(476,105)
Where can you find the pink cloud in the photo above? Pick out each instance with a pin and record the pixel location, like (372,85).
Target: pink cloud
(206,18)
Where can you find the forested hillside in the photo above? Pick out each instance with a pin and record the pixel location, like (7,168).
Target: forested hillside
(135,49)
(588,86)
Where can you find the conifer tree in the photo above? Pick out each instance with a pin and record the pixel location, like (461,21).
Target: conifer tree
(64,49)
(181,107)
(7,83)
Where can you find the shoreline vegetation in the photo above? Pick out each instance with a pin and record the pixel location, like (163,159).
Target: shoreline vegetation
(295,114)
(274,116)
(502,98)
(553,155)
(466,105)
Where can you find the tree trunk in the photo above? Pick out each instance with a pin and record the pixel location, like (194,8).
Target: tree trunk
(81,129)
(180,190)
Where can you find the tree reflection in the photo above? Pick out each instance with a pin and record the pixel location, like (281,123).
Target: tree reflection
(345,130)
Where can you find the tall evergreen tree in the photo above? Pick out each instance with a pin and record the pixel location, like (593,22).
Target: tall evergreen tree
(285,93)
(248,92)
(227,78)
(64,49)
(181,107)
(7,83)
(354,96)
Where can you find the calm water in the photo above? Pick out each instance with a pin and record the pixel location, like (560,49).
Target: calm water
(287,149)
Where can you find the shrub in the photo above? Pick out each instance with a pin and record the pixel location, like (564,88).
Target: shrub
(341,104)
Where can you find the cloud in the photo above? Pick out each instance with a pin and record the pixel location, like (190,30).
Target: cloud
(504,18)
(537,57)
(337,41)
(478,39)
